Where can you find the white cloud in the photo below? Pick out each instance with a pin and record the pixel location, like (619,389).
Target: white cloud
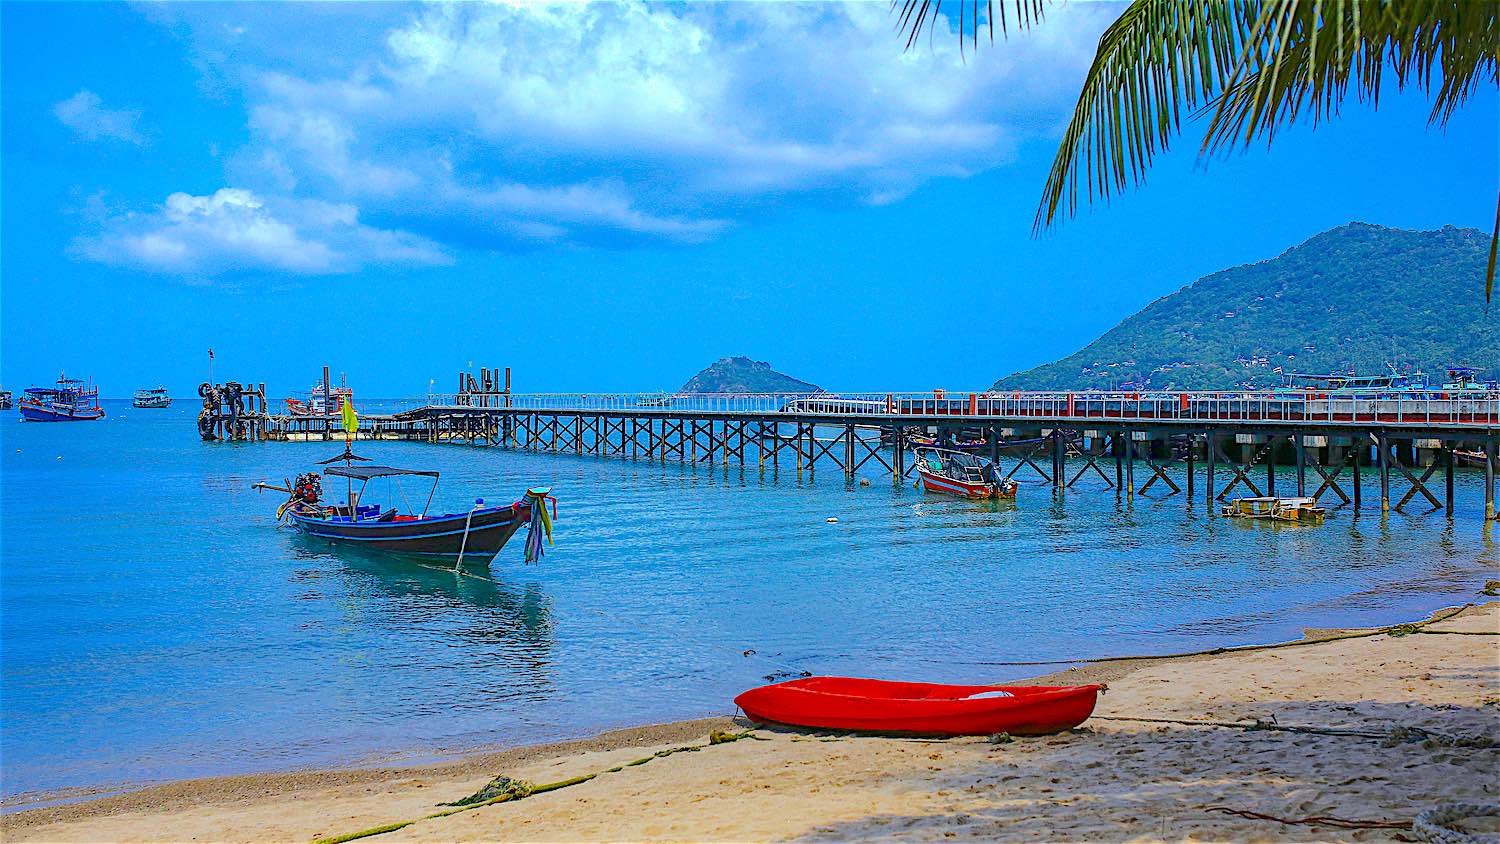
(507,124)
(85,114)
(234,229)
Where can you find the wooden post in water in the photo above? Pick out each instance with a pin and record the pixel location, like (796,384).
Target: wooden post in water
(849,450)
(1059,459)
(1448,479)
(898,459)
(1192,446)
(1130,463)
(1385,472)
(797,441)
(1114,446)
(1212,440)
(1489,478)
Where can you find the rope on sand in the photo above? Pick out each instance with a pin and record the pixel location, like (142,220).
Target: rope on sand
(1436,824)
(1399,734)
(1314,820)
(504,789)
(1394,630)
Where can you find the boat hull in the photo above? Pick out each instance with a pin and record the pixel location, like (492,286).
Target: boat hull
(41,413)
(488,531)
(948,486)
(855,704)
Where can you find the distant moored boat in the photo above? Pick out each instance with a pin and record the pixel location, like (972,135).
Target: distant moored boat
(154,397)
(71,400)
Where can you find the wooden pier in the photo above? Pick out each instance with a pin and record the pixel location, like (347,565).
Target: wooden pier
(1199,445)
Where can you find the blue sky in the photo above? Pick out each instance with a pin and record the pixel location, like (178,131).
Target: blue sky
(609,197)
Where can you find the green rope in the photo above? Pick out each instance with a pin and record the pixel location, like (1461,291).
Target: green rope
(503,789)
(1396,735)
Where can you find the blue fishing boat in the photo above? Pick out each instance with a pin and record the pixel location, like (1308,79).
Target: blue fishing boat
(71,400)
(476,535)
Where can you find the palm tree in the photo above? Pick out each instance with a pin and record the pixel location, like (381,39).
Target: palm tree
(1251,66)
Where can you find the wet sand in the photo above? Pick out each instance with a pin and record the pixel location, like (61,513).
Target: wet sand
(1110,780)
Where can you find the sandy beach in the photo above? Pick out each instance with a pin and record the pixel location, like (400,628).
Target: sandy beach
(1110,780)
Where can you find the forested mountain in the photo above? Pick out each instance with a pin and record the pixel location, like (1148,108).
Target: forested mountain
(1358,297)
(743,375)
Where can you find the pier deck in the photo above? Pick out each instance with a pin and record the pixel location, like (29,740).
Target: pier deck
(1177,439)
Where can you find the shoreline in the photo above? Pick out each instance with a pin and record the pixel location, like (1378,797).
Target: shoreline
(233,793)
(1079,672)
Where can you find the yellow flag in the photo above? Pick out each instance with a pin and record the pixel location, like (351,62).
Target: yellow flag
(351,422)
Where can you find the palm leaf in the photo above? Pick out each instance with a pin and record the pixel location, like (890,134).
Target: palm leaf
(1255,65)
(917,16)
(1161,59)
(1302,57)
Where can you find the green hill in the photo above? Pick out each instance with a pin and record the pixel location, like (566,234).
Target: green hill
(743,375)
(1358,296)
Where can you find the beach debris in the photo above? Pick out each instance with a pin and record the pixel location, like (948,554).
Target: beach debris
(1431,740)
(786,675)
(748,652)
(1001,738)
(1491,587)
(496,787)
(1437,824)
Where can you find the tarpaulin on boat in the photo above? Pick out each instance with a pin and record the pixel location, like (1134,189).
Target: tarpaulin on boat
(365,473)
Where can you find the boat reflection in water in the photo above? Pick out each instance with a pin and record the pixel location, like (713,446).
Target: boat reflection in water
(413,594)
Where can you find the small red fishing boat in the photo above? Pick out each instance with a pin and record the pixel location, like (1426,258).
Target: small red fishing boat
(965,475)
(851,703)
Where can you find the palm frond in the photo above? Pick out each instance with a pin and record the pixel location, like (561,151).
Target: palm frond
(917,16)
(1302,57)
(1161,59)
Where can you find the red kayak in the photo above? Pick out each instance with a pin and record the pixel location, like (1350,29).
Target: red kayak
(851,703)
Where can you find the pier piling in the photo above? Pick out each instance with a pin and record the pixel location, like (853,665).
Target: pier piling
(1019,427)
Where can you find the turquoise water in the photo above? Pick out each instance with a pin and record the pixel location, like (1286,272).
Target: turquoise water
(157,624)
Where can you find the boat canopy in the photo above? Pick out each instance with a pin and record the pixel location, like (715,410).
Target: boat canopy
(365,473)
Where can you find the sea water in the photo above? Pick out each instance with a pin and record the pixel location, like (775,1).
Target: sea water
(156,622)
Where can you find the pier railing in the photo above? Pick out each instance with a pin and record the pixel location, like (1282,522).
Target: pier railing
(1429,407)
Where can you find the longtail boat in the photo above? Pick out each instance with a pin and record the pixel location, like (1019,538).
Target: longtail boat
(851,703)
(965,475)
(476,535)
